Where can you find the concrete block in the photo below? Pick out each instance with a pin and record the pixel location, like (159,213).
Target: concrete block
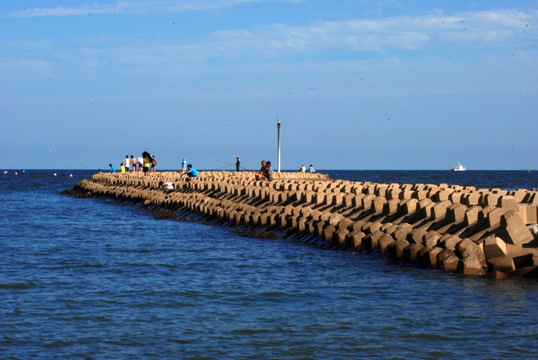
(494,247)
(367,201)
(502,263)
(319,226)
(402,249)
(428,256)
(381,190)
(328,233)
(357,201)
(373,227)
(447,260)
(345,223)
(358,226)
(439,210)
(515,230)
(416,236)
(519,195)
(392,206)
(402,231)
(414,250)
(374,239)
(335,218)
(471,215)
(340,236)
(301,224)
(410,206)
(456,213)
(528,213)
(264,220)
(348,200)
(384,242)
(468,249)
(493,217)
(424,206)
(491,199)
(394,193)
(456,197)
(282,220)
(443,195)
(310,197)
(472,199)
(406,195)
(355,238)
(507,203)
(378,205)
(428,210)
(420,194)
(389,228)
(449,242)
(431,239)
(471,266)
(292,221)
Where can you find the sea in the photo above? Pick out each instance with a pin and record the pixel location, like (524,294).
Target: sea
(98,279)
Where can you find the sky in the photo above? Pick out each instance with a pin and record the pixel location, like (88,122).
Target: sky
(355,84)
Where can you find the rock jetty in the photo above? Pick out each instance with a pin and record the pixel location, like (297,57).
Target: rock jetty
(471,231)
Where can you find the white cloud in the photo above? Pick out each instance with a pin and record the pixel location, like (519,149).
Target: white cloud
(491,31)
(403,32)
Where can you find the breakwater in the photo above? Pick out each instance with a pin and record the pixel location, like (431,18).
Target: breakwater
(472,231)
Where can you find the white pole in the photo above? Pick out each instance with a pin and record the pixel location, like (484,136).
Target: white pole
(278,156)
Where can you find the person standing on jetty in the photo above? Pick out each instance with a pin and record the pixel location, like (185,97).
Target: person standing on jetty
(133,163)
(126,163)
(147,160)
(184,165)
(153,164)
(112,168)
(237,164)
(140,163)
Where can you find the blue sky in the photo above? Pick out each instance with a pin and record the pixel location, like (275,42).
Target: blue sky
(395,85)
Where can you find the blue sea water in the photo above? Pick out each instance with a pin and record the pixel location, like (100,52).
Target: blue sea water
(94,279)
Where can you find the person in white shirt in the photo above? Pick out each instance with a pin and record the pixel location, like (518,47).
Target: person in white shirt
(167,187)
(126,163)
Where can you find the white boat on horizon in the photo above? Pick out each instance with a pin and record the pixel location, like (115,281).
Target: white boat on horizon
(459,167)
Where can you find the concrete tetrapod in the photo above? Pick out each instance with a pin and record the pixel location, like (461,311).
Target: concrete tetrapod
(472,231)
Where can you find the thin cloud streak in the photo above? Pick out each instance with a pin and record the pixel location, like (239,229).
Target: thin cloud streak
(404,33)
(134,8)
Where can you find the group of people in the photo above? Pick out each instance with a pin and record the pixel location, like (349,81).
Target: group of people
(310,169)
(145,163)
(266,171)
(148,164)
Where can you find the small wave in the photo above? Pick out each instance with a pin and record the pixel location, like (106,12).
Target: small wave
(136,251)
(251,331)
(92,265)
(18,286)
(181,341)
